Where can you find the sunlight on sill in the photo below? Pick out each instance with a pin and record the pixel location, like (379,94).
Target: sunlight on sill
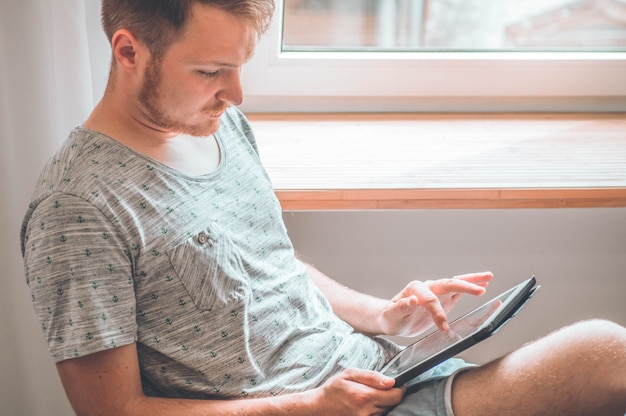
(444,161)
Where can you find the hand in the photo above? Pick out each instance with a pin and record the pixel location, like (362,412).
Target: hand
(357,392)
(408,313)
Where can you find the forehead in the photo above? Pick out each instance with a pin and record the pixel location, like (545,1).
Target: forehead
(212,33)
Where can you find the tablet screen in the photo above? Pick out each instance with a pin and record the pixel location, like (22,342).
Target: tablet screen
(436,342)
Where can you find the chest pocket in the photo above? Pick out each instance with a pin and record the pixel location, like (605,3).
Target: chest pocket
(209,266)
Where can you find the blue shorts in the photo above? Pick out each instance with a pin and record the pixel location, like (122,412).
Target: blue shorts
(430,393)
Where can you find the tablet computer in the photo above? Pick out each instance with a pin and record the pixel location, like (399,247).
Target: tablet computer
(464,332)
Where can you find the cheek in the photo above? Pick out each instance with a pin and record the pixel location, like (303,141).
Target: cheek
(184,93)
(192,94)
(183,99)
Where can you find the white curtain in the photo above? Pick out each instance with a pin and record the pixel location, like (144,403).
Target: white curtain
(45,89)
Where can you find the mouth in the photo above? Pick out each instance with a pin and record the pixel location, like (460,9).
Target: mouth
(215,113)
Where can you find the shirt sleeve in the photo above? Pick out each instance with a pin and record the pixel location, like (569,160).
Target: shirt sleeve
(80,276)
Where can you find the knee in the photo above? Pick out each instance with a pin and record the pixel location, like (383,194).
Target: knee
(600,329)
(597,341)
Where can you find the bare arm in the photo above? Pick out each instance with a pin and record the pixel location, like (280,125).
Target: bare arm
(358,309)
(413,310)
(108,383)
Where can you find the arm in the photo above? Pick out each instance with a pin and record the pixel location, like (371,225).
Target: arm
(408,313)
(109,383)
(360,310)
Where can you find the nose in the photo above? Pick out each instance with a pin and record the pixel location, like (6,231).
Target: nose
(231,92)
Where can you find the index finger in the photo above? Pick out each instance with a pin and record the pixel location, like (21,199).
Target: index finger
(447,286)
(482,278)
(429,300)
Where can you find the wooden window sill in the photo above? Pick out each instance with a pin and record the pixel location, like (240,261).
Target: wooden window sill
(437,161)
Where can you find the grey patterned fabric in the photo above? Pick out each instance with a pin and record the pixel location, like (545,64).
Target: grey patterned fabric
(198,271)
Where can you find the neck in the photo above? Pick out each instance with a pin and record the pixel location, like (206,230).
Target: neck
(192,155)
(114,118)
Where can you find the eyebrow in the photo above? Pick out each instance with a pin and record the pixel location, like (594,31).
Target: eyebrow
(249,55)
(217,63)
(223,64)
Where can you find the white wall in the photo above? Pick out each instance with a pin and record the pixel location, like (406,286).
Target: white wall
(45,90)
(578,256)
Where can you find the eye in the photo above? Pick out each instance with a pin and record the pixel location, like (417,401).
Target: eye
(208,74)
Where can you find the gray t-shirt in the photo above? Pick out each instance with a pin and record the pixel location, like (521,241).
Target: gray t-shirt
(198,271)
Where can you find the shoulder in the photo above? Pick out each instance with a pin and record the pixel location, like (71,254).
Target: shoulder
(236,122)
(73,174)
(77,156)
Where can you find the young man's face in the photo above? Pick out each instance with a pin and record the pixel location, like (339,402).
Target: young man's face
(199,75)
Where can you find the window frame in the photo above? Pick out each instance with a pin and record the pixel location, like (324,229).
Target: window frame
(276,81)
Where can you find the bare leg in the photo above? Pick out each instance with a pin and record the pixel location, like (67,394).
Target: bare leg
(579,370)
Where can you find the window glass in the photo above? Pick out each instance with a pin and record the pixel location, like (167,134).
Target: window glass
(454,25)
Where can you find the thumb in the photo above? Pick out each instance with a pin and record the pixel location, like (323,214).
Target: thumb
(370,378)
(406,306)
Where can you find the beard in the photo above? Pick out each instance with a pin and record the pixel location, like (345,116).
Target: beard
(156,112)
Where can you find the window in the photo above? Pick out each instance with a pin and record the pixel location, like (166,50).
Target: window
(454,25)
(441,55)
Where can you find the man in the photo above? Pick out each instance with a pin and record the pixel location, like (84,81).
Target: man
(166,284)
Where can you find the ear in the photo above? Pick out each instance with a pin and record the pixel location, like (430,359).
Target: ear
(127,50)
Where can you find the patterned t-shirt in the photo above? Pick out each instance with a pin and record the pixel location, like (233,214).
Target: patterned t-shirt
(198,271)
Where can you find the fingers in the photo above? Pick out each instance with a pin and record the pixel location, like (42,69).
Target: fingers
(407,305)
(417,294)
(471,284)
(437,296)
(451,286)
(362,392)
(368,378)
(481,279)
